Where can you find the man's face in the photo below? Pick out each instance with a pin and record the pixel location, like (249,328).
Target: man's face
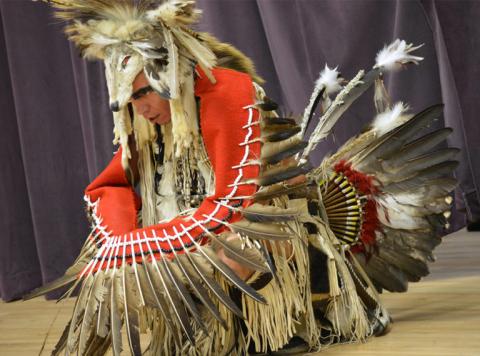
(148,103)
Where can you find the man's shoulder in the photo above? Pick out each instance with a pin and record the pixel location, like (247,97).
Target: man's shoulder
(230,73)
(226,79)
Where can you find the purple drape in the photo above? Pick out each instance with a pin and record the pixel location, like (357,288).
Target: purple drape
(56,128)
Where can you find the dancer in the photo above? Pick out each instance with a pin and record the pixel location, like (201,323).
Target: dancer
(236,243)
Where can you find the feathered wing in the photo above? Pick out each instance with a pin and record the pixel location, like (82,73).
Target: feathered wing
(385,193)
(388,196)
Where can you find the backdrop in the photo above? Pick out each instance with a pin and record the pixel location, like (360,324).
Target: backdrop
(56,128)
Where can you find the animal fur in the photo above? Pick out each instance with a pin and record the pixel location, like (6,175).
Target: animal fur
(231,57)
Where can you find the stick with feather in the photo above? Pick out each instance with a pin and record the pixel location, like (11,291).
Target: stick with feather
(390,58)
(328,82)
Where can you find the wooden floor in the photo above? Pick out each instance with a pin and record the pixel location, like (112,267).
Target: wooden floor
(438,316)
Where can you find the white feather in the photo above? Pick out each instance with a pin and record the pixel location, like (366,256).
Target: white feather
(331,116)
(329,78)
(204,56)
(103,40)
(416,197)
(142,45)
(173,73)
(391,57)
(171,14)
(390,119)
(394,215)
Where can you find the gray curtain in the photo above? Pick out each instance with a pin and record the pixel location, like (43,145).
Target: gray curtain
(56,128)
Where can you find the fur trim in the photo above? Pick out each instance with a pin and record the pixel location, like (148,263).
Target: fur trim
(174,13)
(230,57)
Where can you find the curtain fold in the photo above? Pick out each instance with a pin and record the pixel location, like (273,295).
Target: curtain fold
(19,267)
(56,131)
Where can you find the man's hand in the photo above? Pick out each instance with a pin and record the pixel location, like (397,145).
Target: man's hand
(240,270)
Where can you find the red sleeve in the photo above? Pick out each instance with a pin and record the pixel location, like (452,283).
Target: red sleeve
(227,121)
(112,195)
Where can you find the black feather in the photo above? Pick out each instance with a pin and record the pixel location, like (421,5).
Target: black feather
(280,174)
(268,104)
(246,256)
(231,275)
(441,170)
(314,107)
(62,342)
(401,135)
(196,269)
(131,310)
(283,134)
(162,284)
(273,121)
(285,152)
(184,294)
(199,290)
(420,146)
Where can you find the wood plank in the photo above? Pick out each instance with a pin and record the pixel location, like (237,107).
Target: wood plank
(438,316)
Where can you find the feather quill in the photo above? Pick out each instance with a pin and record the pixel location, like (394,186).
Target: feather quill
(51,286)
(115,316)
(131,304)
(383,274)
(438,171)
(62,341)
(434,189)
(277,190)
(268,213)
(103,318)
(274,152)
(195,268)
(283,173)
(96,295)
(78,311)
(173,65)
(248,256)
(390,143)
(196,285)
(220,266)
(154,298)
(416,148)
(410,168)
(327,83)
(178,309)
(357,86)
(260,231)
(182,291)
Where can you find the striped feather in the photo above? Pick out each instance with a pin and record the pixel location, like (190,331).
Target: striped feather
(260,231)
(247,256)
(182,291)
(268,213)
